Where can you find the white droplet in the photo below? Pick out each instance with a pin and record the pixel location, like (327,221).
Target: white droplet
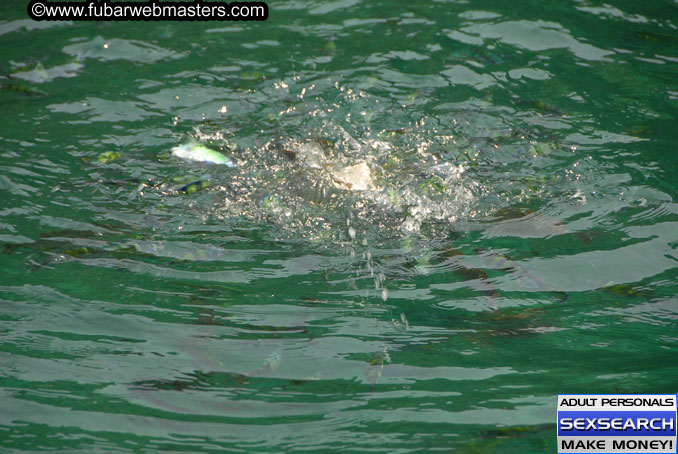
(384,294)
(404,320)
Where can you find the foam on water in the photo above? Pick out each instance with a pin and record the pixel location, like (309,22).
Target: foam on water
(305,183)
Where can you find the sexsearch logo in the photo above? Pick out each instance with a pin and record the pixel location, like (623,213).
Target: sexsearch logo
(611,423)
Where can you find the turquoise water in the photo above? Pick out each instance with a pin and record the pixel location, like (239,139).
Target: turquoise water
(515,239)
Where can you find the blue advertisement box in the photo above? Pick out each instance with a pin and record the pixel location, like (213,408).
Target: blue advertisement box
(617,423)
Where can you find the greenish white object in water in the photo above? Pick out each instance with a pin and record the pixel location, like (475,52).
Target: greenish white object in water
(195,151)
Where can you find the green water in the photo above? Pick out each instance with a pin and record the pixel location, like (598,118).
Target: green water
(519,242)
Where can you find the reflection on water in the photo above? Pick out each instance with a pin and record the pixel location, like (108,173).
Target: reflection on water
(425,237)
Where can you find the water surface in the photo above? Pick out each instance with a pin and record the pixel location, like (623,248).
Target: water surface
(518,240)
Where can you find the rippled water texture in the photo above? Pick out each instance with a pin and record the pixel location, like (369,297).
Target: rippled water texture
(442,214)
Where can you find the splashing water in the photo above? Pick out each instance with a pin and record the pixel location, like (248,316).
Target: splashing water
(386,182)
